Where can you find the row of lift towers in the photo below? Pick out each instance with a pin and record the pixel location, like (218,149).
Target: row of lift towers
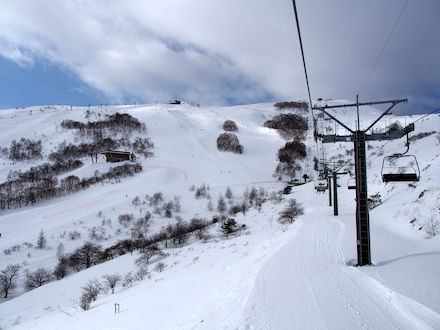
(359,137)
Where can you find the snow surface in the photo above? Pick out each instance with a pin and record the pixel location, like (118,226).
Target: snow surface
(272,276)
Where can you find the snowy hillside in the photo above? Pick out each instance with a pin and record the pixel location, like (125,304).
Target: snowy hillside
(267,274)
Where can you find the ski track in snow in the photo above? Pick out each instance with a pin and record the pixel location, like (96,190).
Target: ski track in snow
(307,285)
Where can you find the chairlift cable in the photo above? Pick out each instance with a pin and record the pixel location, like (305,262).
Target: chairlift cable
(302,54)
(383,48)
(430,113)
(434,111)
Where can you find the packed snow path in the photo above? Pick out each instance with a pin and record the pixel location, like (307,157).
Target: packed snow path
(308,284)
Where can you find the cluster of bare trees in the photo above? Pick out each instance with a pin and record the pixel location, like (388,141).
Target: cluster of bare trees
(288,125)
(34,185)
(292,105)
(114,123)
(24,149)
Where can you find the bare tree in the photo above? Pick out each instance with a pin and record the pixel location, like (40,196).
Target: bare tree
(147,253)
(87,255)
(8,279)
(112,281)
(37,278)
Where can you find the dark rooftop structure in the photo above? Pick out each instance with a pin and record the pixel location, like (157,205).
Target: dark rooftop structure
(114,156)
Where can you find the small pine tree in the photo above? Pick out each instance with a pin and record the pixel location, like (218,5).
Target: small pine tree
(221,205)
(228,193)
(41,241)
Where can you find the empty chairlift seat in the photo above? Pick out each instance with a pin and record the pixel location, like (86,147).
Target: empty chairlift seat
(321,186)
(400,168)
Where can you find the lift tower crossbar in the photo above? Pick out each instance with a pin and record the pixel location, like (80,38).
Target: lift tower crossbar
(358,137)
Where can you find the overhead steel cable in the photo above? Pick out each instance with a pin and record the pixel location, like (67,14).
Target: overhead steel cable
(383,48)
(412,123)
(302,54)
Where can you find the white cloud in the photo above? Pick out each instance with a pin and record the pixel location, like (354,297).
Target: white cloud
(214,51)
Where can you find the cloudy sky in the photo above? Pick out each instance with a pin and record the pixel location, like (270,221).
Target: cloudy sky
(217,52)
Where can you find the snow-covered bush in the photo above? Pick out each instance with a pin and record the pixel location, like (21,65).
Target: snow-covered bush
(229,142)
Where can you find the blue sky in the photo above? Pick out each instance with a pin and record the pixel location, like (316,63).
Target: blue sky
(43,84)
(216,53)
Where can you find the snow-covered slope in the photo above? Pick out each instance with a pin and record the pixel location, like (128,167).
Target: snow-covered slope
(271,276)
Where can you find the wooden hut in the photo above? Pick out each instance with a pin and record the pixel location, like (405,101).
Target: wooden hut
(114,156)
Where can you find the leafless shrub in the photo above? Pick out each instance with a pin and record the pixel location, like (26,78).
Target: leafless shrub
(141,273)
(201,191)
(229,142)
(160,267)
(300,105)
(432,225)
(156,199)
(73,235)
(97,233)
(125,219)
(129,280)
(289,214)
(230,126)
(89,293)
(396,126)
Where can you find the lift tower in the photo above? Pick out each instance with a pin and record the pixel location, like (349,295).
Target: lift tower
(358,137)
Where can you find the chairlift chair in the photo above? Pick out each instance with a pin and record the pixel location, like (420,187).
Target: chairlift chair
(409,172)
(406,171)
(321,186)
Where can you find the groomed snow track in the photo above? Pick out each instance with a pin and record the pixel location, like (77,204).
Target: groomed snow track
(309,284)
